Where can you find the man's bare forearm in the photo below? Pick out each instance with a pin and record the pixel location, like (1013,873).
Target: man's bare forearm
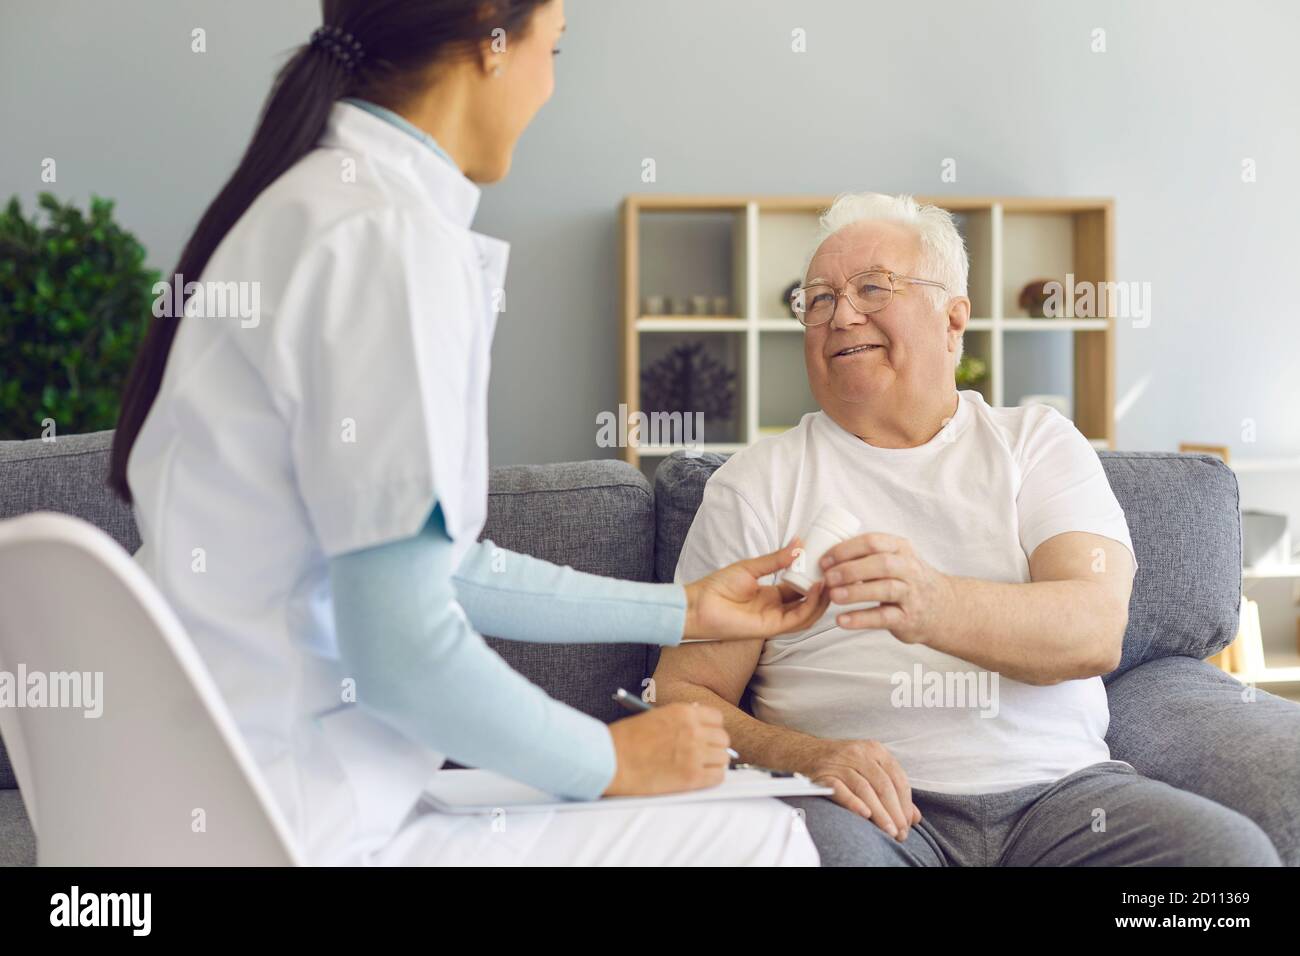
(768,744)
(1039,633)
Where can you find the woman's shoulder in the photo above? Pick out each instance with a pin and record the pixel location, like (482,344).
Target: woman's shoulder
(311,221)
(318,195)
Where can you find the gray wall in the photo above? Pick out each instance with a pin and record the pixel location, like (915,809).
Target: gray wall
(711,90)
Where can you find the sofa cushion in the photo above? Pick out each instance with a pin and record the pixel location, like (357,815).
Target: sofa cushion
(1187,723)
(679,488)
(8,781)
(1183,514)
(17,841)
(596,516)
(67,475)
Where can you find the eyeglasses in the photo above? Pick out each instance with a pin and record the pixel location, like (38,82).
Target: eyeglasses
(867,292)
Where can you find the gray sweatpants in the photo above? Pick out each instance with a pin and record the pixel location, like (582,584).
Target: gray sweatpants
(1103,815)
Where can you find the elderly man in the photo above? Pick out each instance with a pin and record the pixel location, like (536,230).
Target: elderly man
(952,695)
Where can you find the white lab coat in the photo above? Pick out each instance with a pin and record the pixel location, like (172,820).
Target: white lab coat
(330,421)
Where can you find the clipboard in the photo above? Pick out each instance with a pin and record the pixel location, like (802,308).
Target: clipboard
(468,792)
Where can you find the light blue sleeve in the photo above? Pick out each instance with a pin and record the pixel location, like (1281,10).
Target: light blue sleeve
(419,666)
(523,598)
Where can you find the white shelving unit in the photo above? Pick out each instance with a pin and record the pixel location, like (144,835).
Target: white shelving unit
(754,247)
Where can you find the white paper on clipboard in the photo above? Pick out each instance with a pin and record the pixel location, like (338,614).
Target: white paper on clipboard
(482,792)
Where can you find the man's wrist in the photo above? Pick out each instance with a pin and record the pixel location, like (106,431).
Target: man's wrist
(947,628)
(690,625)
(780,748)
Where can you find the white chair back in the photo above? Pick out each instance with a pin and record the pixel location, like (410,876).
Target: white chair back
(160,776)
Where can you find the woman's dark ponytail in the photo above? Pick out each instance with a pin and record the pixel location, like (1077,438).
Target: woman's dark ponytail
(376,49)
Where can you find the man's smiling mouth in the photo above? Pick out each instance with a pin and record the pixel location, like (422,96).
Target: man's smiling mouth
(855,349)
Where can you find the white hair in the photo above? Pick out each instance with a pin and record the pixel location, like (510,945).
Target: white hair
(943,252)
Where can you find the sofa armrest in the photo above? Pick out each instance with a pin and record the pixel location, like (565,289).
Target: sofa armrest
(1190,725)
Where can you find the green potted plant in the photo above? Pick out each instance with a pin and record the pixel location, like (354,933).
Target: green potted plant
(75,302)
(971,371)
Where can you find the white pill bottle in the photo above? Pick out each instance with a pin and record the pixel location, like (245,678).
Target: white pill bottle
(832,525)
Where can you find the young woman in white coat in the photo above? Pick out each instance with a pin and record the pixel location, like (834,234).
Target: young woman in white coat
(310,476)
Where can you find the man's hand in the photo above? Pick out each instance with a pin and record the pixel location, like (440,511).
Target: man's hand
(915,599)
(866,779)
(730,604)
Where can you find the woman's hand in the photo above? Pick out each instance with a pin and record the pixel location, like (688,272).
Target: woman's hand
(915,599)
(730,604)
(674,747)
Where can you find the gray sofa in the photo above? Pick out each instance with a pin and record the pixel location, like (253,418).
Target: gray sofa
(1173,716)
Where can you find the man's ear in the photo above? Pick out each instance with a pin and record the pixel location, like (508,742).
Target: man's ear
(958,317)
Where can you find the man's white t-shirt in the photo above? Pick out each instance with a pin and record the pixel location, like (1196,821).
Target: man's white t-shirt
(974,501)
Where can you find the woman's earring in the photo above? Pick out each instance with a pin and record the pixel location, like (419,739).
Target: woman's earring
(496,70)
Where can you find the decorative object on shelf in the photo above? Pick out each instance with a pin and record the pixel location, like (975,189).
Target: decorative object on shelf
(681,305)
(721,305)
(653,305)
(76,299)
(1061,403)
(1034,298)
(971,371)
(689,381)
(699,305)
(785,298)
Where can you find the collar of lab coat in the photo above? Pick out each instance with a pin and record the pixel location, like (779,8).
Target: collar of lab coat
(352,128)
(456,196)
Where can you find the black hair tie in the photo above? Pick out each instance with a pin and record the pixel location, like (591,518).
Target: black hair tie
(341,45)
